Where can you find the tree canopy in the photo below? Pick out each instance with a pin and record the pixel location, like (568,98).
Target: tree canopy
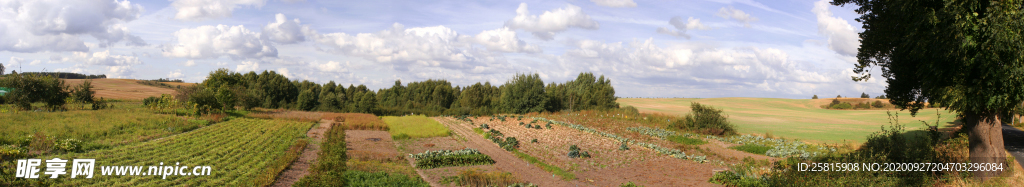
(975,67)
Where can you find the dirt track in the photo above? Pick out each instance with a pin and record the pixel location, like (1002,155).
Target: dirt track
(300,167)
(505,161)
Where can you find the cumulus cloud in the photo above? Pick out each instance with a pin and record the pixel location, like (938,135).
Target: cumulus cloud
(544,26)
(331,66)
(842,38)
(210,9)
(53,25)
(681,27)
(285,31)
(615,3)
(430,46)
(176,74)
(733,13)
(504,40)
(14,61)
(190,63)
(117,66)
(247,66)
(209,41)
(718,70)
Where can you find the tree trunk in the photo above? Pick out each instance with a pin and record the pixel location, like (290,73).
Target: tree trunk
(986,142)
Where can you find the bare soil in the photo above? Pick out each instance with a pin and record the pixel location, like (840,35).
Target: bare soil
(504,160)
(300,167)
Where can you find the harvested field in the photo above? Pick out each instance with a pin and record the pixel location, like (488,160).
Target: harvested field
(126,89)
(357,121)
(287,114)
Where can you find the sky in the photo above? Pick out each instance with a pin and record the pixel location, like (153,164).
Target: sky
(701,48)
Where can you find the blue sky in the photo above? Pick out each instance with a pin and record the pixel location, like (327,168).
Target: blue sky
(713,48)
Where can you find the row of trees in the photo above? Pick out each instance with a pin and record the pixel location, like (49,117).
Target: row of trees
(524,93)
(52,91)
(862,95)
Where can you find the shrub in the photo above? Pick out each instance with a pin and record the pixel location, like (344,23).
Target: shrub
(705,119)
(814,97)
(843,105)
(863,105)
(150,100)
(877,104)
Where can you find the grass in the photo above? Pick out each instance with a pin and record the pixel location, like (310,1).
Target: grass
(751,148)
(475,177)
(237,151)
(108,127)
(358,121)
(269,174)
(793,118)
(393,167)
(407,127)
(565,175)
(362,178)
(685,140)
(329,170)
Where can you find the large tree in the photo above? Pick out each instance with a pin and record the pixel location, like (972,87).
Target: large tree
(963,54)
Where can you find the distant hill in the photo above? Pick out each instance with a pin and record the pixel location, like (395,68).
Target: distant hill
(127,89)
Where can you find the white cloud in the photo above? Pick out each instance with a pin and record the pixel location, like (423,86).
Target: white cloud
(504,40)
(216,41)
(247,66)
(615,3)
(285,31)
(120,72)
(53,25)
(14,61)
(430,46)
(176,74)
(103,58)
(35,62)
(190,63)
(284,72)
(842,38)
(732,13)
(330,66)
(210,9)
(681,27)
(547,24)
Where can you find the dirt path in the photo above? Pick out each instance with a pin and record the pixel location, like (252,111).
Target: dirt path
(505,161)
(300,167)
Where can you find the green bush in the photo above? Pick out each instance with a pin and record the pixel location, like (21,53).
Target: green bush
(864,105)
(705,119)
(877,104)
(843,105)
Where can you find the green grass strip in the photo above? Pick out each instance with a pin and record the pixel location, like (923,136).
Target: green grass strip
(555,170)
(751,148)
(685,140)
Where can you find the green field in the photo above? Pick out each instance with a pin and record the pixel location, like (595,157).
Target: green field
(236,150)
(107,127)
(415,127)
(794,118)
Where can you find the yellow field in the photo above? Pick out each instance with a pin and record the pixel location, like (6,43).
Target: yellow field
(126,89)
(795,118)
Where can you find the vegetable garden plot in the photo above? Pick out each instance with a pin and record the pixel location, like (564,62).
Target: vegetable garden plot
(446,158)
(236,150)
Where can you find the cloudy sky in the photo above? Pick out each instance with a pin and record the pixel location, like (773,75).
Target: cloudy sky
(711,48)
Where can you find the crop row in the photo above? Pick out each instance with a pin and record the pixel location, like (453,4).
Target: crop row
(668,151)
(446,158)
(236,150)
(779,147)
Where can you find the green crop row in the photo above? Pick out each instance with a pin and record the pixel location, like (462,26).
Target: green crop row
(447,158)
(237,151)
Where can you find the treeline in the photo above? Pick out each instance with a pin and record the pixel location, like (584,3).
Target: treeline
(53,92)
(63,75)
(524,93)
